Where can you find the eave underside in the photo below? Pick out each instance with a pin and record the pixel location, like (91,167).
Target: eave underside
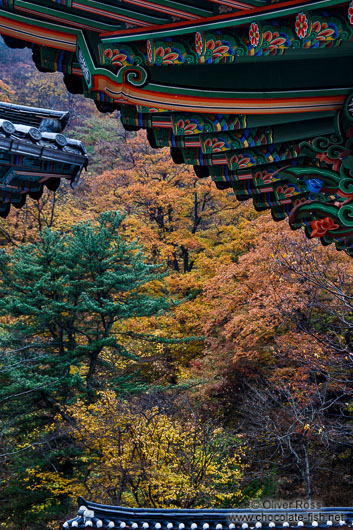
(254,94)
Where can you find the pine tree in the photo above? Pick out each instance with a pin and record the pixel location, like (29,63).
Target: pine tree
(60,299)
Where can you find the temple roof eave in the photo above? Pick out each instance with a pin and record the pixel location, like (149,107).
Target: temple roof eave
(105,516)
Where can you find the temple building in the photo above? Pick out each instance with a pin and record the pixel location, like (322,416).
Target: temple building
(256,94)
(34,153)
(92,515)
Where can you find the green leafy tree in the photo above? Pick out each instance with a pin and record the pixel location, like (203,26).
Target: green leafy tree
(61,299)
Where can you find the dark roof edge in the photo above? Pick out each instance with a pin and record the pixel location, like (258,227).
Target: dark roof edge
(179,512)
(62,116)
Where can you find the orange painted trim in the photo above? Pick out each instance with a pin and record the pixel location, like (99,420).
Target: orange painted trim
(26,31)
(135,95)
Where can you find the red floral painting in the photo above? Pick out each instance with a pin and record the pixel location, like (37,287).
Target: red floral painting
(301,25)
(322,226)
(254,34)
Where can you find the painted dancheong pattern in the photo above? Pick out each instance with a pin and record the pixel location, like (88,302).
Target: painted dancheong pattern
(254,94)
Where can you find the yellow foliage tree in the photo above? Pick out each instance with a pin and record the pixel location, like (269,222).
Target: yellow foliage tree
(138,457)
(5,92)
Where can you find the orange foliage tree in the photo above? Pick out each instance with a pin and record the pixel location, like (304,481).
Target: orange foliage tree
(270,359)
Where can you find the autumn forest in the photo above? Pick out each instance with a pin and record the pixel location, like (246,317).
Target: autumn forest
(161,343)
